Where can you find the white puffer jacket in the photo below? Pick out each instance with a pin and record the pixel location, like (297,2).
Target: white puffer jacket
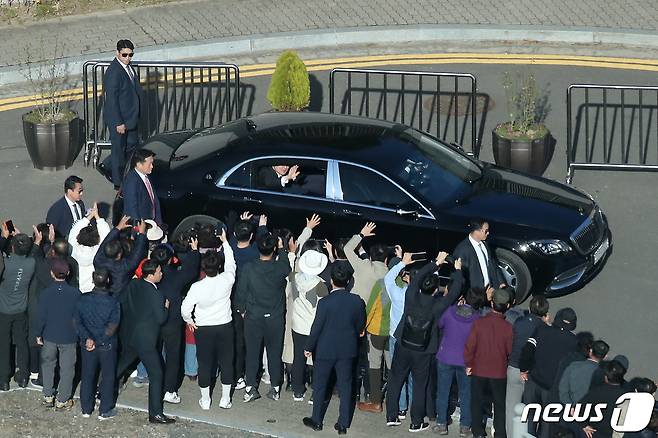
(84,255)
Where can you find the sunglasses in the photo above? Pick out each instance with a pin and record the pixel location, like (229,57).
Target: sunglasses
(126,55)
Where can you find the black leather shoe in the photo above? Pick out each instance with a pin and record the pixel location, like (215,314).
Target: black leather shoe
(308,422)
(161,419)
(4,386)
(342,430)
(22,381)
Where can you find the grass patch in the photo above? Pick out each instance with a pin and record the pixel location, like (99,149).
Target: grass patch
(64,116)
(534,132)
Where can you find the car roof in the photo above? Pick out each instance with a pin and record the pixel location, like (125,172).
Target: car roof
(331,136)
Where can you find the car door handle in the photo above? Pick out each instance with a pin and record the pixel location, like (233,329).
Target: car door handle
(247,198)
(408,213)
(351,212)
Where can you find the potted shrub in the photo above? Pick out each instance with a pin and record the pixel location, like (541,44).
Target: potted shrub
(522,143)
(51,130)
(290,89)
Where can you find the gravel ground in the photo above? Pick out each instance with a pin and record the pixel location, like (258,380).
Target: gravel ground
(21,415)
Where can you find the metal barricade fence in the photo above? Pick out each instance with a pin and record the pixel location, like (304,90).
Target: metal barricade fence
(177,95)
(616,128)
(444,105)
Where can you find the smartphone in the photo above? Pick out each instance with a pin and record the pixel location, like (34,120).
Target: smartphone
(10,226)
(419,256)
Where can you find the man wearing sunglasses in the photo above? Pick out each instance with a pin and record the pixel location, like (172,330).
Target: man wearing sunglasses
(121,111)
(479,261)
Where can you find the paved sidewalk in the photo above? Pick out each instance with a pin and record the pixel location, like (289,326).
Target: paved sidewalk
(212,19)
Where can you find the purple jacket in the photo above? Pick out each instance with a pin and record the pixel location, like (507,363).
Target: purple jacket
(455,325)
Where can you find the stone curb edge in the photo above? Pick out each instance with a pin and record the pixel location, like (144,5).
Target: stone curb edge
(378,35)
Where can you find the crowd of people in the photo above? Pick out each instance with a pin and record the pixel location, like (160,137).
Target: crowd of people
(244,305)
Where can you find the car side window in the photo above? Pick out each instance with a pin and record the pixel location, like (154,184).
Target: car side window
(240,178)
(363,186)
(311,179)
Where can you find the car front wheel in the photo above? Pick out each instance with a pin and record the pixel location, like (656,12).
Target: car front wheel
(516,273)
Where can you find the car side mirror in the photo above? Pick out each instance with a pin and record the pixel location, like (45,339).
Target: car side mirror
(210,177)
(412,214)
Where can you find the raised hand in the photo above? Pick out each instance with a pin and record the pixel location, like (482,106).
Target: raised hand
(407,258)
(246,216)
(313,221)
(51,233)
(262,221)
(194,243)
(368,229)
(293,172)
(441,258)
(123,223)
(141,227)
(458,264)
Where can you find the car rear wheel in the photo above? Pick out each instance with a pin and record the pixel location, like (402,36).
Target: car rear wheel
(516,273)
(192,221)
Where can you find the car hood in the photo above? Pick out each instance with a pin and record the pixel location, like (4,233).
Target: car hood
(523,201)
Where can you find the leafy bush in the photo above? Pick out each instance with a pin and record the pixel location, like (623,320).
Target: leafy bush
(290,89)
(521,95)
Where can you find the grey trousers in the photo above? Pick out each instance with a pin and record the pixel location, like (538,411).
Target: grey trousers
(513,396)
(67,357)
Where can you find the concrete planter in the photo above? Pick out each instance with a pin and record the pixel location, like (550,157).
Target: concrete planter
(529,156)
(52,146)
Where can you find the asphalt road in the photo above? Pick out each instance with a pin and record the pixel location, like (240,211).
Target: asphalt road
(616,306)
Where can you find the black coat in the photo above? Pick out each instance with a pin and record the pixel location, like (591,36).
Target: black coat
(430,307)
(471,265)
(122,97)
(120,271)
(136,199)
(340,318)
(60,215)
(143,313)
(175,279)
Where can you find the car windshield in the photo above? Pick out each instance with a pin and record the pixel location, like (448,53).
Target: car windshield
(435,170)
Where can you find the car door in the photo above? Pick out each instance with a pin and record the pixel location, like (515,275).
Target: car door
(289,207)
(364,194)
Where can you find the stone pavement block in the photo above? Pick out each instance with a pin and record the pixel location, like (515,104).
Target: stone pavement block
(208,19)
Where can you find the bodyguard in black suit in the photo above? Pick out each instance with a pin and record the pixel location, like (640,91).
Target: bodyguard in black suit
(123,95)
(69,208)
(478,258)
(144,310)
(339,322)
(139,198)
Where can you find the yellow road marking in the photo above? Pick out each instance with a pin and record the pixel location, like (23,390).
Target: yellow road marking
(256,70)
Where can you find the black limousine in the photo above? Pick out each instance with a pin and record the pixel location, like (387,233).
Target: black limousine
(549,237)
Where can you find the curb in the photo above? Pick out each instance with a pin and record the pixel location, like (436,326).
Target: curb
(384,35)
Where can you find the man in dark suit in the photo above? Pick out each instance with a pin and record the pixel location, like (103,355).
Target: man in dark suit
(339,322)
(479,262)
(139,198)
(144,310)
(121,110)
(277,178)
(69,208)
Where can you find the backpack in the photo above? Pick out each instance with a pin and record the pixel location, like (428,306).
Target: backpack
(416,331)
(378,310)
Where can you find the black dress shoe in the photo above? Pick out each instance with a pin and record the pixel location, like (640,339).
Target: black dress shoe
(308,422)
(21,381)
(161,419)
(4,386)
(342,430)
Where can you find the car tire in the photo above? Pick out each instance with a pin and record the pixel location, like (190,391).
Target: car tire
(190,221)
(516,272)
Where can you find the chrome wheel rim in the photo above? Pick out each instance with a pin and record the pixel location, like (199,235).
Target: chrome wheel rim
(509,274)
